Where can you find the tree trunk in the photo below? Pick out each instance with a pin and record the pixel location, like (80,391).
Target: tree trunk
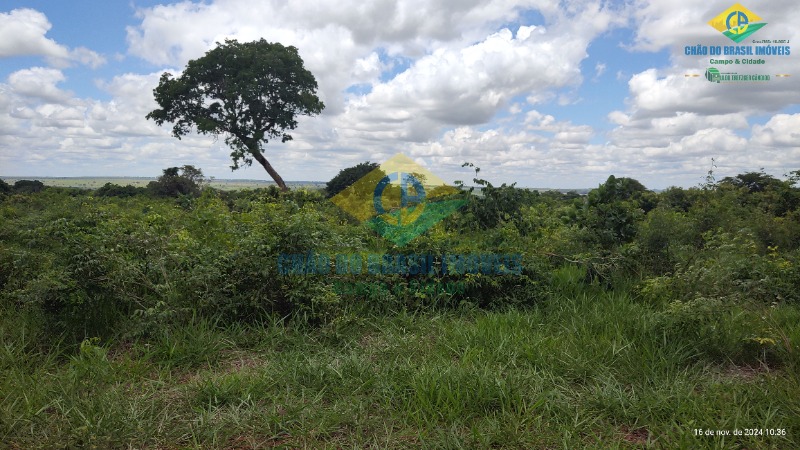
(268,167)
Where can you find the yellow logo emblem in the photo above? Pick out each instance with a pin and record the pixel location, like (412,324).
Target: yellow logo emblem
(737,22)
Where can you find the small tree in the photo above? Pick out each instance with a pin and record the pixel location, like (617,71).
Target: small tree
(115,190)
(251,92)
(172,183)
(28,186)
(753,181)
(346,177)
(759,188)
(614,208)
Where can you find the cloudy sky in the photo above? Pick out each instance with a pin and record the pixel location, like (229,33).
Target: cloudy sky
(541,92)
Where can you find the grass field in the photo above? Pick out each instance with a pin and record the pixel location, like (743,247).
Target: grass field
(204,343)
(580,370)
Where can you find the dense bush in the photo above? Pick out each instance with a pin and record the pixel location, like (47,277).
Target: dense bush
(28,186)
(613,210)
(346,177)
(178,181)
(115,190)
(99,264)
(491,205)
(730,267)
(664,238)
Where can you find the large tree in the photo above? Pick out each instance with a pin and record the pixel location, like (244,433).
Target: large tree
(251,92)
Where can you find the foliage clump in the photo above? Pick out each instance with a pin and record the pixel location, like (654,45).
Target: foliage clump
(28,186)
(346,177)
(178,181)
(115,190)
(88,262)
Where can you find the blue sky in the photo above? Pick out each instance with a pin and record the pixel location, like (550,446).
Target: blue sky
(542,93)
(98,25)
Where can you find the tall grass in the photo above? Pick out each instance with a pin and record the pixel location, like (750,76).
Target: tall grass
(584,369)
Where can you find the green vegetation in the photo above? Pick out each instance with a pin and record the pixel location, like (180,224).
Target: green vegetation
(28,186)
(347,177)
(176,182)
(136,320)
(249,92)
(221,184)
(5,188)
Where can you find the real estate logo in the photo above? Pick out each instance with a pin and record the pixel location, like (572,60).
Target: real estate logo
(715,76)
(712,75)
(737,22)
(400,199)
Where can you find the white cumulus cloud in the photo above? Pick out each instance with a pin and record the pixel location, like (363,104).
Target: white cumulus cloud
(23,33)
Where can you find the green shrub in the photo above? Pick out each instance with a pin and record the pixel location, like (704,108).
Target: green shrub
(346,177)
(664,239)
(28,186)
(115,190)
(178,181)
(731,268)
(100,264)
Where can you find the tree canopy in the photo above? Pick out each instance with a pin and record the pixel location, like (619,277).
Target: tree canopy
(753,181)
(28,186)
(613,210)
(251,92)
(175,181)
(348,176)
